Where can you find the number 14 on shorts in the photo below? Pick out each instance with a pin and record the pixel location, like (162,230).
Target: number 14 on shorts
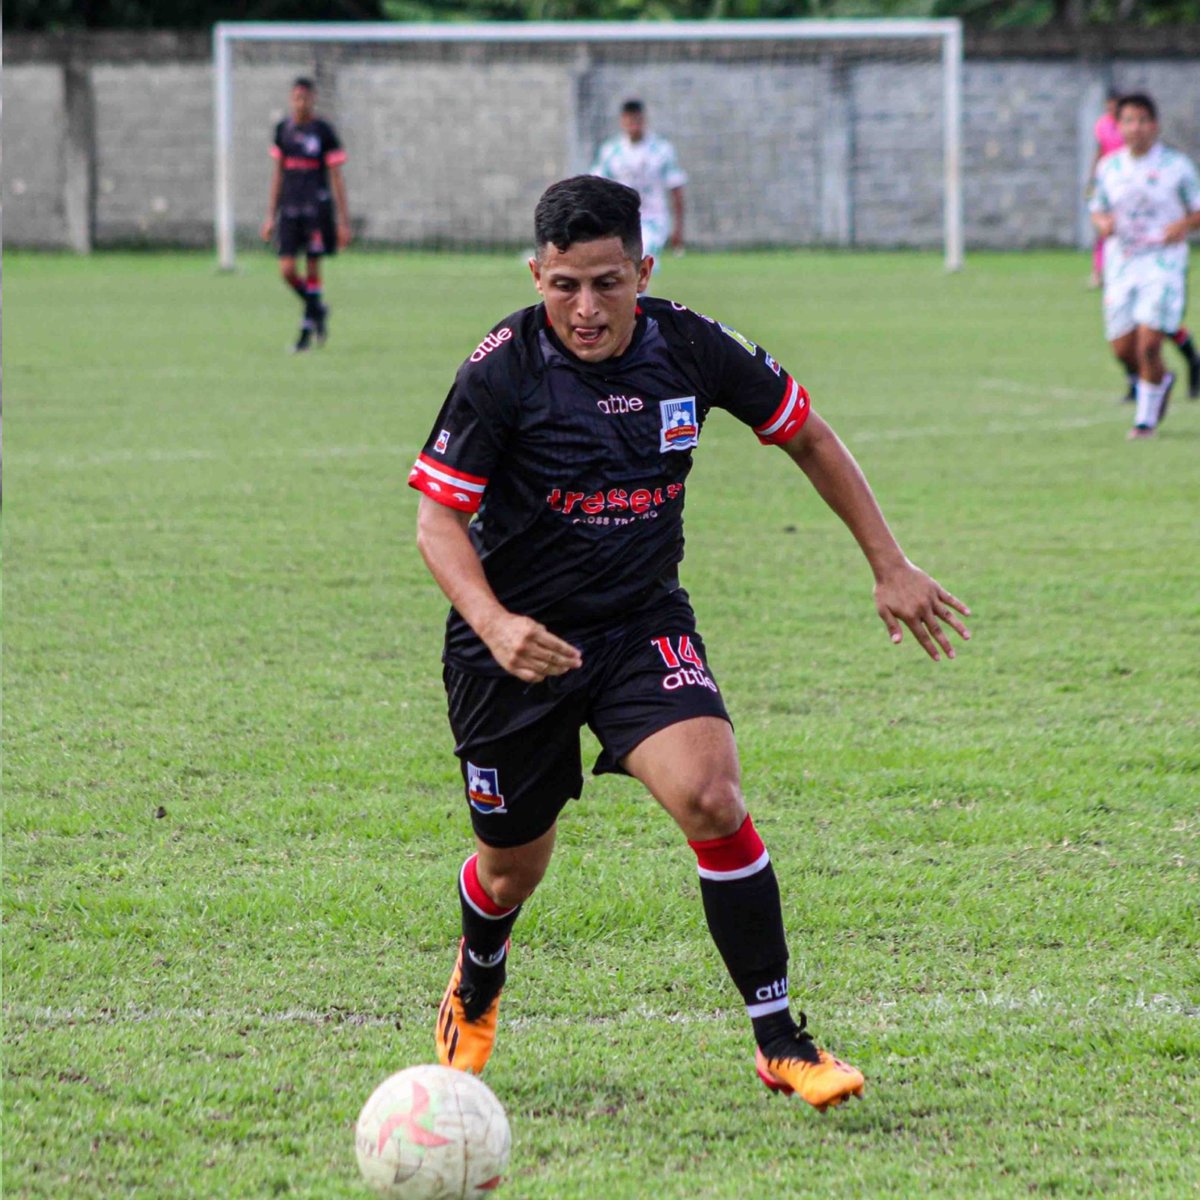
(674,658)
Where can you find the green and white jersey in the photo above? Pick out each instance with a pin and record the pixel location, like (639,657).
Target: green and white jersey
(649,167)
(1145,195)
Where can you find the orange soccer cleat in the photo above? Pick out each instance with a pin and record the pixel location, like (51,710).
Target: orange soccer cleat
(465,1038)
(797,1065)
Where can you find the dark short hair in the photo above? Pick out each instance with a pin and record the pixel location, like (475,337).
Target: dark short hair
(304,82)
(1138,100)
(586,208)
(633,106)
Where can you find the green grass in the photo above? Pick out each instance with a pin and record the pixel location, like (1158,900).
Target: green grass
(232,817)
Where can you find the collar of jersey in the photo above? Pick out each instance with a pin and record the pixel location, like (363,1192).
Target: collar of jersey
(607,364)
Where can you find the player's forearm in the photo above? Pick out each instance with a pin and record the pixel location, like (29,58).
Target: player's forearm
(677,205)
(452,561)
(339,195)
(839,481)
(273,191)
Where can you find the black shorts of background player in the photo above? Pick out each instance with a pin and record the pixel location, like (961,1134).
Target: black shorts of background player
(307,210)
(569,434)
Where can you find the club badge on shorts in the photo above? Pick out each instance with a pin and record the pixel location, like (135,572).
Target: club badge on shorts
(680,430)
(483,789)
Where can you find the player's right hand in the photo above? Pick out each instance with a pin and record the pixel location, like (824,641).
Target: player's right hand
(528,650)
(268,229)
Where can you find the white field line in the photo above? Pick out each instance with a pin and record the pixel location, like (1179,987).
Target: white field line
(1035,389)
(1157,1005)
(1030,421)
(109,458)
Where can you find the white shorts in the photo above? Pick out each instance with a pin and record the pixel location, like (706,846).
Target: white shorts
(1143,292)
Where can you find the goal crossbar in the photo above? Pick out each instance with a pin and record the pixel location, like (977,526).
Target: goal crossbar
(949,30)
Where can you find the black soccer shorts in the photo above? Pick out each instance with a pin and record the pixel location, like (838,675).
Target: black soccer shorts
(314,235)
(518,743)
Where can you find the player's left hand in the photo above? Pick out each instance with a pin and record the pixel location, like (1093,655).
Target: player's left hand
(343,234)
(908,595)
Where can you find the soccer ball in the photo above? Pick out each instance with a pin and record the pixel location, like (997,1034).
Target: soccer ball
(432,1133)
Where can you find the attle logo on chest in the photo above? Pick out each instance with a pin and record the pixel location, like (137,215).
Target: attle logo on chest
(680,430)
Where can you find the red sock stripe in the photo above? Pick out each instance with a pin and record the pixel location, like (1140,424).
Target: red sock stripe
(733,853)
(476,896)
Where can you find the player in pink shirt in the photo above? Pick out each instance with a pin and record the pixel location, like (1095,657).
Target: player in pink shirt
(1108,139)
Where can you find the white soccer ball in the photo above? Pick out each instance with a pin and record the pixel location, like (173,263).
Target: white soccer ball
(432,1133)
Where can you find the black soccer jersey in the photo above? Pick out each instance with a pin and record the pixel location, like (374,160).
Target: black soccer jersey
(577,470)
(307,152)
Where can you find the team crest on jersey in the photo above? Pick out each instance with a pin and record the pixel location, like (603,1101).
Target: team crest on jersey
(771,362)
(312,144)
(743,341)
(483,789)
(443,440)
(680,429)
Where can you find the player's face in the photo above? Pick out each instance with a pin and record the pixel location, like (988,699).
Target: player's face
(591,292)
(634,125)
(302,105)
(1138,128)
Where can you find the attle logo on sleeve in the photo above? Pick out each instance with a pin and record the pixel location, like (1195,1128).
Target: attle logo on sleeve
(443,440)
(680,429)
(483,789)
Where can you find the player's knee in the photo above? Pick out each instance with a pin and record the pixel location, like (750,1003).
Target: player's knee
(715,808)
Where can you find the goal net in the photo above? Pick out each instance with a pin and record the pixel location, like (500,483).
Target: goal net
(791,133)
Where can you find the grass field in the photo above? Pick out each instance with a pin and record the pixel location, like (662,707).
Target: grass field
(232,818)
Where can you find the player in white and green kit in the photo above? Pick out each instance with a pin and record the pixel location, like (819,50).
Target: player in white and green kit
(647,163)
(1146,202)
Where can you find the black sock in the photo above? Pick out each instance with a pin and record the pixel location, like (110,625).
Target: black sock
(486,928)
(1188,349)
(312,304)
(741,903)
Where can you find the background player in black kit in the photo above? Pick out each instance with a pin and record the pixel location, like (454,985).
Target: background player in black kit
(300,208)
(569,433)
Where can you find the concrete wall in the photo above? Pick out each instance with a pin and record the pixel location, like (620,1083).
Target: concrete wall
(34,149)
(109,140)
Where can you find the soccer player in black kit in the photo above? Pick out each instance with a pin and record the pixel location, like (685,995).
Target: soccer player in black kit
(552,517)
(300,207)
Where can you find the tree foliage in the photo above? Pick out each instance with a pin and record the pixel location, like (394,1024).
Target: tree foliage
(193,14)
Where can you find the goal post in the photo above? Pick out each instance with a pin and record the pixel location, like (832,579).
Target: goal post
(797,132)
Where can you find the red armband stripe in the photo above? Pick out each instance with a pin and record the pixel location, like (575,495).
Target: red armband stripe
(788,419)
(455,489)
(335,158)
(276,152)
(441,471)
(444,493)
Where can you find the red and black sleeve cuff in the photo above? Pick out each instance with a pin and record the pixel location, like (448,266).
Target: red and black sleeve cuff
(788,419)
(455,489)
